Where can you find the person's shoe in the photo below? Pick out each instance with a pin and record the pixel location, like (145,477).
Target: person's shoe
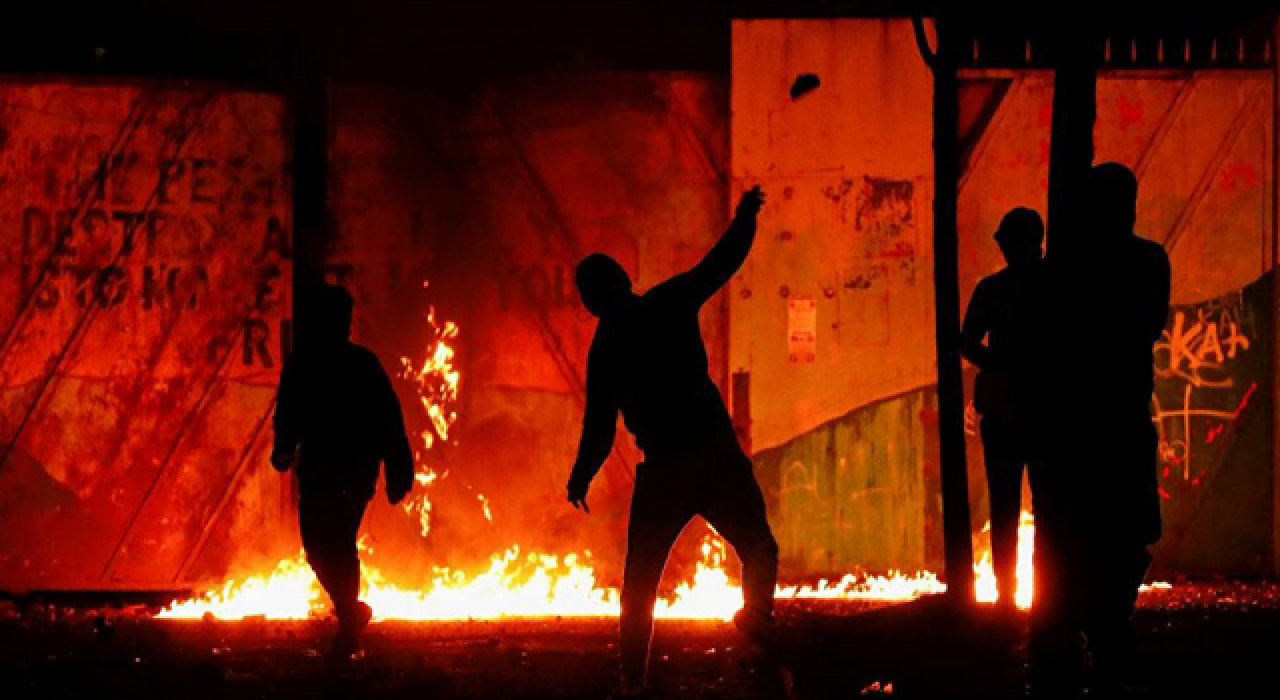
(359,618)
(350,629)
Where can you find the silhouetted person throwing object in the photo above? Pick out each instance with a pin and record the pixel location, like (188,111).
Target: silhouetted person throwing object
(337,417)
(1095,461)
(999,313)
(648,362)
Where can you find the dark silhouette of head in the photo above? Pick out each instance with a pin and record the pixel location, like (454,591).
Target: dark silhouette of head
(1020,236)
(331,310)
(602,284)
(1113,198)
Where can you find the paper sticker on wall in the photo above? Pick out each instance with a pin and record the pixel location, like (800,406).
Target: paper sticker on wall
(802,327)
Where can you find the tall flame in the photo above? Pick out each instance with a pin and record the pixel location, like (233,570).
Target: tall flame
(436,381)
(984,584)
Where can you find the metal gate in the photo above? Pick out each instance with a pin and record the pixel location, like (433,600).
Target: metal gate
(145,268)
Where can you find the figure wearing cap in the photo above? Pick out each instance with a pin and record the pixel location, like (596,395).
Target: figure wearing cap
(996,339)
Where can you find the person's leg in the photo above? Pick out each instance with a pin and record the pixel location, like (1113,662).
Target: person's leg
(1120,571)
(1127,520)
(659,511)
(1054,648)
(329,524)
(734,506)
(1004,461)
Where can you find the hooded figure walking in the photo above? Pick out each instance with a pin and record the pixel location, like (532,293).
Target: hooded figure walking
(337,418)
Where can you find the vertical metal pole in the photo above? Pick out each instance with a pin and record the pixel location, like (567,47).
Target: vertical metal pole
(310,189)
(311,231)
(1272,256)
(1071,140)
(946,174)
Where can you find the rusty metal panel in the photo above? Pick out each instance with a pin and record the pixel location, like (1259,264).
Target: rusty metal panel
(145,274)
(848,169)
(848,494)
(1201,145)
(491,192)
(833,314)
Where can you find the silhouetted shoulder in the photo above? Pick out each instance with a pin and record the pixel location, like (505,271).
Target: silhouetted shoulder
(1006,282)
(1146,246)
(365,358)
(674,292)
(1150,250)
(995,282)
(362,353)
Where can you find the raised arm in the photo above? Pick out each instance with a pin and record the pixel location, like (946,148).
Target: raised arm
(286,420)
(725,258)
(599,424)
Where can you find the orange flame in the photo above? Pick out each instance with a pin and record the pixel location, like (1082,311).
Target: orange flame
(984,584)
(436,381)
(515,584)
(532,585)
(536,584)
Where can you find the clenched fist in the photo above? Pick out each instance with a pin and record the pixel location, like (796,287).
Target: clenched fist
(751,202)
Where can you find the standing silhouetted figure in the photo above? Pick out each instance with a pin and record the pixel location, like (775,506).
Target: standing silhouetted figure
(648,362)
(999,312)
(337,412)
(1105,301)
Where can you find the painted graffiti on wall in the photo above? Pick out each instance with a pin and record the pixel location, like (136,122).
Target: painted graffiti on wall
(134,211)
(1214,417)
(164,271)
(1200,342)
(843,495)
(1210,363)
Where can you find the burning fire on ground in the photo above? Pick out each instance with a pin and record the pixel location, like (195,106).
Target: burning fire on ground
(538,585)
(522,585)
(534,584)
